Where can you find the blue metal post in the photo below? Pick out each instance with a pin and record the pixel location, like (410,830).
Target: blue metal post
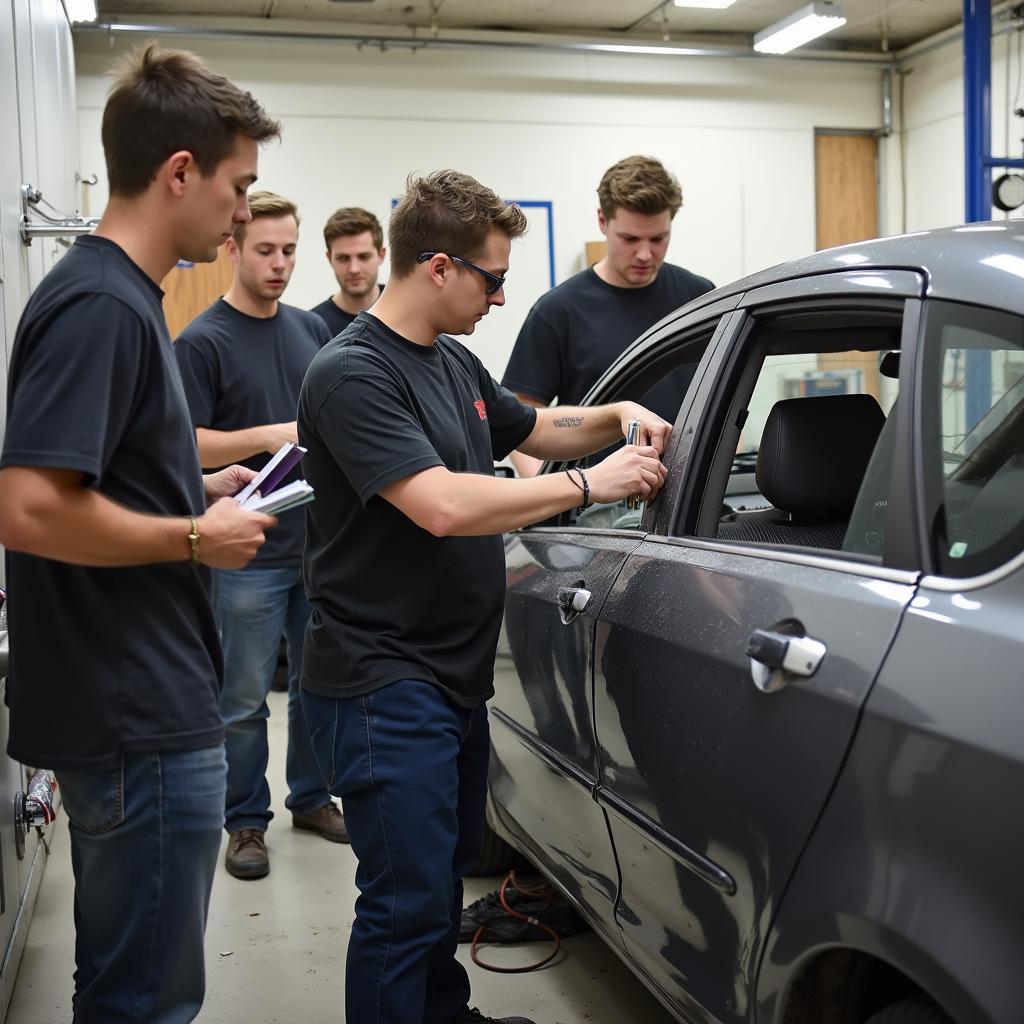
(977,176)
(977,107)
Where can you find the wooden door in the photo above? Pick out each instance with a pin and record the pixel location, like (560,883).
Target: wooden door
(190,287)
(846,210)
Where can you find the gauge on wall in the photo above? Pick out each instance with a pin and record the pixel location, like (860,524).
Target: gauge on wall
(1008,192)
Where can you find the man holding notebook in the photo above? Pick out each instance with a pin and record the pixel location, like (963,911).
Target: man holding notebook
(242,362)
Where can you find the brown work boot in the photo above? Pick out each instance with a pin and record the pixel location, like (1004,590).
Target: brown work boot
(247,854)
(326,821)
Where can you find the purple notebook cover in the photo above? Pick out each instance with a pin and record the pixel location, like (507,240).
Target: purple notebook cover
(281,470)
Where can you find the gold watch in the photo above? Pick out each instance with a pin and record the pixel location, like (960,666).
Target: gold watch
(193,539)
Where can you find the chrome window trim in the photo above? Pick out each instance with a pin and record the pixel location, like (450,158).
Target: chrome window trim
(952,584)
(583,531)
(874,572)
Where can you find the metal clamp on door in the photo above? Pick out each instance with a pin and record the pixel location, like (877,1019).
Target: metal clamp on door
(571,602)
(774,657)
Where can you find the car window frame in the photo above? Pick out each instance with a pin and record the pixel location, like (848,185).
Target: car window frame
(691,327)
(930,482)
(902,551)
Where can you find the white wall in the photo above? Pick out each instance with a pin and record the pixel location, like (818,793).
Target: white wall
(934,113)
(739,134)
(38,126)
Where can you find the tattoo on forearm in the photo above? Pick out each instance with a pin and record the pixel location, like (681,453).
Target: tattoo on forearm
(568,421)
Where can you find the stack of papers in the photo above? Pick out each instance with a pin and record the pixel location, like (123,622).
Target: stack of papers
(264,494)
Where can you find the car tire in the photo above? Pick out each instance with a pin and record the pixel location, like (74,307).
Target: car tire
(496,856)
(918,1010)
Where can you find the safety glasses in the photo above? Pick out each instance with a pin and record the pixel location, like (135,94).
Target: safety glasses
(493,281)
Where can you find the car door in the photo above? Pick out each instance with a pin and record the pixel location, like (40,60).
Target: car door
(544,758)
(711,785)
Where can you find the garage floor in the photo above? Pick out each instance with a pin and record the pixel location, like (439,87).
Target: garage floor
(275,947)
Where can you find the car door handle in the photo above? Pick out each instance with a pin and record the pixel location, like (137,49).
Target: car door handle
(776,656)
(571,601)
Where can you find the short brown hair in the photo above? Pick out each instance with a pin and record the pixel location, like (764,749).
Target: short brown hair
(267,204)
(163,101)
(353,220)
(640,184)
(447,212)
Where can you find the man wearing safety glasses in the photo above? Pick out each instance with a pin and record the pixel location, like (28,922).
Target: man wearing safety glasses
(404,569)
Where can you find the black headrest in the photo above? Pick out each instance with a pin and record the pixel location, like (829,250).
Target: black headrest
(814,452)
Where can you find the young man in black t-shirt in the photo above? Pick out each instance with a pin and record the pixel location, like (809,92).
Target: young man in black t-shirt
(575,332)
(404,568)
(242,362)
(355,251)
(110,528)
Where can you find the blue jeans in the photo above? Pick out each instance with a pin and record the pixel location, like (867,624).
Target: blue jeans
(411,769)
(255,608)
(144,844)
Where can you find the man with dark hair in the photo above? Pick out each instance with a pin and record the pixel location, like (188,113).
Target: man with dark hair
(355,251)
(404,568)
(242,361)
(575,332)
(110,528)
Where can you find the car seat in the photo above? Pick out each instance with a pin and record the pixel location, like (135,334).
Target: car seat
(810,465)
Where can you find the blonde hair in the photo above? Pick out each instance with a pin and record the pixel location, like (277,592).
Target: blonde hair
(267,204)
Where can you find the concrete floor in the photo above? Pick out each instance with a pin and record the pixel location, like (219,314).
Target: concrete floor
(275,948)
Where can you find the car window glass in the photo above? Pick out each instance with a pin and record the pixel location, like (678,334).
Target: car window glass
(670,369)
(977,439)
(808,413)
(807,375)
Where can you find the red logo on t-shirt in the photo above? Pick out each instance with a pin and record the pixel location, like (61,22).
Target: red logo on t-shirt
(481,408)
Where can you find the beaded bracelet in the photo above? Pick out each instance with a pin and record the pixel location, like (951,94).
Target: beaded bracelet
(586,491)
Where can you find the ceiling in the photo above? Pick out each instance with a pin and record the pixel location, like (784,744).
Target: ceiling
(872,25)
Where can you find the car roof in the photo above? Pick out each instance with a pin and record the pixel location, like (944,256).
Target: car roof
(982,264)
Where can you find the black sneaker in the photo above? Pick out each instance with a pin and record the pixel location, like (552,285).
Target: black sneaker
(501,927)
(474,1016)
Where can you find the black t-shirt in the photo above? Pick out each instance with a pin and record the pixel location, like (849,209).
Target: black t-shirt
(575,332)
(335,317)
(390,600)
(112,659)
(241,371)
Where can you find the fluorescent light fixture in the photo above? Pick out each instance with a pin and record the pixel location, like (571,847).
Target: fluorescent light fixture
(634,48)
(800,27)
(707,5)
(80,10)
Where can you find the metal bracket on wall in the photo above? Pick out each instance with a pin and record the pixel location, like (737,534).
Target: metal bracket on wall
(38,223)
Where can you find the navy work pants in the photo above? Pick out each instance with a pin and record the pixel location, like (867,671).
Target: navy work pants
(410,767)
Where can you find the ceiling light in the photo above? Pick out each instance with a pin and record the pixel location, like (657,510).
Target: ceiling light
(708,5)
(800,27)
(80,10)
(685,51)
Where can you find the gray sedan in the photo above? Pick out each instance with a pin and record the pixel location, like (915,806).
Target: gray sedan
(768,733)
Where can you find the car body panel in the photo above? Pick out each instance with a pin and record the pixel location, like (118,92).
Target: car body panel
(936,769)
(542,716)
(729,774)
